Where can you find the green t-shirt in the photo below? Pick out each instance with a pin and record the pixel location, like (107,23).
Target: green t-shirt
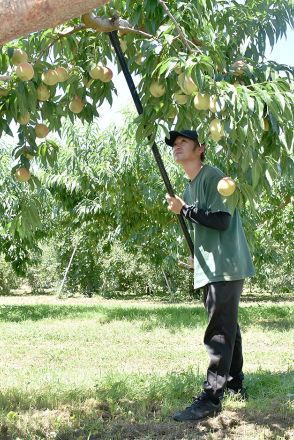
(218,255)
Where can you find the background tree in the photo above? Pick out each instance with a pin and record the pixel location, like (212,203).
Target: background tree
(102,202)
(111,202)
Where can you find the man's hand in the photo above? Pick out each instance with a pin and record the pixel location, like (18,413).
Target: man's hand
(175,204)
(187,265)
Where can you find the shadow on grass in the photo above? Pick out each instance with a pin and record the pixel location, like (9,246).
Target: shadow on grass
(19,313)
(171,317)
(265,297)
(140,406)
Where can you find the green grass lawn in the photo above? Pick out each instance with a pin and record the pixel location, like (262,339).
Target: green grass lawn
(107,369)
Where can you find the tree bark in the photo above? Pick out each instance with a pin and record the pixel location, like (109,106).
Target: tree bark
(20,18)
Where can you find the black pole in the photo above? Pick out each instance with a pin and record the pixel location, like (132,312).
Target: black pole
(116,44)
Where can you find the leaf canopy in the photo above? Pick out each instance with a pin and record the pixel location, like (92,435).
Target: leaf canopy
(218,45)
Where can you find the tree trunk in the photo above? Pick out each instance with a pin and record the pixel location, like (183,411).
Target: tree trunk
(20,18)
(66,271)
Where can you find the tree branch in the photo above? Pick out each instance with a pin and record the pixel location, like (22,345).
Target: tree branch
(5,78)
(59,36)
(136,31)
(116,23)
(71,30)
(180,32)
(90,21)
(19,18)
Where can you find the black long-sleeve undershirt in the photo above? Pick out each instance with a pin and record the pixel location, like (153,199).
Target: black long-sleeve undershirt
(216,220)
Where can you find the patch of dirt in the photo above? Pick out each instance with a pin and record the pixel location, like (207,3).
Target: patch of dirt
(152,430)
(214,428)
(228,425)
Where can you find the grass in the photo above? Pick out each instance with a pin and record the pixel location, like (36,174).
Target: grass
(107,369)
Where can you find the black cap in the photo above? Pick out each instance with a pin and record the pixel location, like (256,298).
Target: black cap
(191,134)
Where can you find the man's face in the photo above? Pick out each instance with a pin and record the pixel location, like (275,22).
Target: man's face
(184,149)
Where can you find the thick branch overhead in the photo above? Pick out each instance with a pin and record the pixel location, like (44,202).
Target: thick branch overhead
(25,17)
(101,24)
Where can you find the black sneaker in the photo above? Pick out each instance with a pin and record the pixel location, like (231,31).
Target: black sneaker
(201,408)
(238,393)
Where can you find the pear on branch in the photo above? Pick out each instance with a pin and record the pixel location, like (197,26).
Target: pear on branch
(50,77)
(22,174)
(157,89)
(187,84)
(62,74)
(24,119)
(19,56)
(41,130)
(216,130)
(226,186)
(201,101)
(25,71)
(180,98)
(43,93)
(76,105)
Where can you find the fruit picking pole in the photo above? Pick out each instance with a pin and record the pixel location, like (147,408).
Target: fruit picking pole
(116,44)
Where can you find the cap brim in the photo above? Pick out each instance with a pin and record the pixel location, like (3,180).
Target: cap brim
(173,135)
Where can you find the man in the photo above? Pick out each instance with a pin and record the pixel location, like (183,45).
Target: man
(221,262)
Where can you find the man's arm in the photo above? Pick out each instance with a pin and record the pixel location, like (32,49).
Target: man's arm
(215,220)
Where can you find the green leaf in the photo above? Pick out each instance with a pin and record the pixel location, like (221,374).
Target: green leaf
(257,170)
(245,160)
(233,201)
(197,76)
(247,192)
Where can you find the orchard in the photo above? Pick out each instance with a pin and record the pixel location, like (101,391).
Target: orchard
(201,65)
(84,219)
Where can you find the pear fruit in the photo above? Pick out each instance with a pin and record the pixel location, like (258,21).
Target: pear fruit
(157,89)
(76,105)
(216,130)
(226,186)
(180,98)
(22,174)
(107,74)
(19,56)
(25,71)
(187,84)
(201,101)
(96,72)
(62,74)
(50,77)
(212,104)
(24,119)
(43,93)
(41,130)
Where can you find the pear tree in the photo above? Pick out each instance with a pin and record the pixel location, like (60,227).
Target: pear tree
(201,65)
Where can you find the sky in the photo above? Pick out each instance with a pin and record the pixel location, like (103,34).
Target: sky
(283,53)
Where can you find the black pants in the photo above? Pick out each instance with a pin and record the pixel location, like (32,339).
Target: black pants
(222,337)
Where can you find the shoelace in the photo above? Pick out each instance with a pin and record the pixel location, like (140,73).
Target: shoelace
(202,396)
